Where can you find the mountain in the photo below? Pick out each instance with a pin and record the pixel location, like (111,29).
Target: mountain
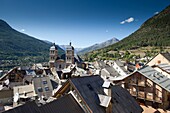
(155,32)
(21,48)
(48,42)
(76,50)
(98,46)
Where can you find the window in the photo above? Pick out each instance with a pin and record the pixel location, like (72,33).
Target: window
(46,88)
(40,89)
(159,61)
(44,82)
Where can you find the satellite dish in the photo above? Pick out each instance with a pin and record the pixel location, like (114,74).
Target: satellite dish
(16,97)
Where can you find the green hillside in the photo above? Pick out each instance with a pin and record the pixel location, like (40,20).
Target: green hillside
(155,32)
(19,49)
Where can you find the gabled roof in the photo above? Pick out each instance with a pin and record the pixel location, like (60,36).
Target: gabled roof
(30,107)
(166,55)
(121,65)
(156,77)
(112,71)
(65,104)
(123,102)
(164,67)
(100,64)
(2,77)
(91,87)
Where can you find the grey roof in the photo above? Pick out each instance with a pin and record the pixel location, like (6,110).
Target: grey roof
(65,104)
(165,67)
(123,102)
(167,56)
(121,65)
(89,88)
(100,64)
(112,71)
(156,77)
(77,58)
(30,107)
(48,72)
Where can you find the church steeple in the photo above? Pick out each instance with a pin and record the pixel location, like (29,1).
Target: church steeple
(53,55)
(69,54)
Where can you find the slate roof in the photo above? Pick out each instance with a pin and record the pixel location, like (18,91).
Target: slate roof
(156,77)
(89,88)
(100,64)
(123,102)
(30,107)
(112,71)
(66,104)
(167,56)
(121,65)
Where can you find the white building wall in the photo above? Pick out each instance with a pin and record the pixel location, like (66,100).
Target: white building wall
(118,69)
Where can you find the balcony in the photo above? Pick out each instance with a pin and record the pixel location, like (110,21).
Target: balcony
(141,83)
(158,99)
(133,93)
(141,94)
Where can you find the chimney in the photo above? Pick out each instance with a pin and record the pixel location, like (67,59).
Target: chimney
(108,92)
(137,66)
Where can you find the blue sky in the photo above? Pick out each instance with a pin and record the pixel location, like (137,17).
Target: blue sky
(83,22)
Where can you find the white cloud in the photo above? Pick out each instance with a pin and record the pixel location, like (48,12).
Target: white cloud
(122,22)
(22,30)
(129,20)
(156,13)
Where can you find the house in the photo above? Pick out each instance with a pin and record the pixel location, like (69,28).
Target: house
(120,67)
(149,86)
(66,104)
(23,94)
(163,68)
(161,58)
(109,72)
(95,95)
(42,86)
(99,64)
(114,72)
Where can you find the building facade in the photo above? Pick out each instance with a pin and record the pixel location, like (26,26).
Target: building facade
(69,55)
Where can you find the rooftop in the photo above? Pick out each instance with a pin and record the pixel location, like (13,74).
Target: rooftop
(156,77)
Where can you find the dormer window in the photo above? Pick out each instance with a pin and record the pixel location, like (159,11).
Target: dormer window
(44,82)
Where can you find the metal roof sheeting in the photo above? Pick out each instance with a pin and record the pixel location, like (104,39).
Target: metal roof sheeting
(156,77)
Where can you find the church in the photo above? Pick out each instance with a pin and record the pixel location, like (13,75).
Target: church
(61,62)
